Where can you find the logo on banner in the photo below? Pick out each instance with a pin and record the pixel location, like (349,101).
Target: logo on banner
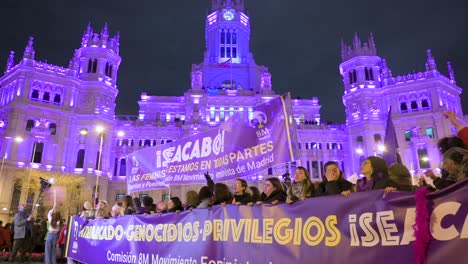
(259,121)
(75,237)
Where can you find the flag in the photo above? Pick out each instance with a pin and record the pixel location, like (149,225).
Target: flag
(392,151)
(225,64)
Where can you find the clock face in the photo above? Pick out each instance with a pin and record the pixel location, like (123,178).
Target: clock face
(228,15)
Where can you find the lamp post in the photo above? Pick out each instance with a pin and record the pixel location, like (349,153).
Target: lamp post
(100,130)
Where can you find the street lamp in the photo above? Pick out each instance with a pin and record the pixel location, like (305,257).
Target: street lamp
(100,130)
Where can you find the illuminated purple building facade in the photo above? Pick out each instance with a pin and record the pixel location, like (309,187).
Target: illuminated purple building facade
(55,110)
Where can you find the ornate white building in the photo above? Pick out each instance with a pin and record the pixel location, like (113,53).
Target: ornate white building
(55,110)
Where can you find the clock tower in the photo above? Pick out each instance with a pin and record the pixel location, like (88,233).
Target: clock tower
(227,33)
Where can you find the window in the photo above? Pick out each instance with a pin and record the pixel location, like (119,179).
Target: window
(403,107)
(147,143)
(408,135)
(315,170)
(377,138)
(80,159)
(37,152)
(53,128)
(119,196)
(124,142)
(90,65)
(228,44)
(29,125)
(98,161)
(123,167)
(359,139)
(212,112)
(425,104)
(414,105)
(423,159)
(57,99)
(35,94)
(430,132)
(46,97)
(352,77)
(116,165)
(95,65)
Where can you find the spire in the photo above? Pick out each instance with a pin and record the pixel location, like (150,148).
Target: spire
(223,4)
(29,50)
(451,72)
(343,49)
(372,47)
(74,62)
(430,62)
(86,35)
(386,72)
(356,42)
(10,61)
(104,35)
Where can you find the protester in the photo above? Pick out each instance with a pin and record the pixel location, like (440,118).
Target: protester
(147,205)
(301,187)
(61,241)
(128,205)
(462,130)
(273,192)
(22,232)
(334,182)
(54,219)
(456,164)
(255,196)
(241,196)
(401,178)
(161,207)
(88,211)
(191,200)
(221,194)
(204,196)
(116,210)
(174,205)
(376,177)
(7,237)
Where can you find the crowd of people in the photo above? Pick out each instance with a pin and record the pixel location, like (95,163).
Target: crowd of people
(50,234)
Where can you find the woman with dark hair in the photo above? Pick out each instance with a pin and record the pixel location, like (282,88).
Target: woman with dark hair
(301,187)
(273,192)
(128,205)
(174,204)
(456,164)
(221,194)
(334,182)
(204,196)
(376,175)
(401,177)
(241,196)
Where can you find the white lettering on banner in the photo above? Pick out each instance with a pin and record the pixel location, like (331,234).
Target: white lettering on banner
(197,149)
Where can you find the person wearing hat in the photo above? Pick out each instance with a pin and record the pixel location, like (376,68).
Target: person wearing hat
(376,175)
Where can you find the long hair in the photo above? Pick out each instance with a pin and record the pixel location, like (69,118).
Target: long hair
(308,186)
(56,218)
(276,183)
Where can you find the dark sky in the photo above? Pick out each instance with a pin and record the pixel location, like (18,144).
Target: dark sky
(298,40)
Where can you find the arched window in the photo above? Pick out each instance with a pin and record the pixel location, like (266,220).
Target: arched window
(46,97)
(95,65)
(90,65)
(425,104)
(80,159)
(29,125)
(414,105)
(35,94)
(57,99)
(403,107)
(53,128)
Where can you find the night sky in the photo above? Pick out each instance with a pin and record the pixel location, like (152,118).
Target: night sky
(298,40)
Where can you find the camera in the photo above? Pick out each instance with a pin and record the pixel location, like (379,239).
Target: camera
(45,184)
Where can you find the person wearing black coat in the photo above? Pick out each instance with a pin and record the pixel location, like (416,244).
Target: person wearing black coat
(334,182)
(273,192)
(240,194)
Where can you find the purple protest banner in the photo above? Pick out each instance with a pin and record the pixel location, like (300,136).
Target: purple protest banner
(235,149)
(365,227)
